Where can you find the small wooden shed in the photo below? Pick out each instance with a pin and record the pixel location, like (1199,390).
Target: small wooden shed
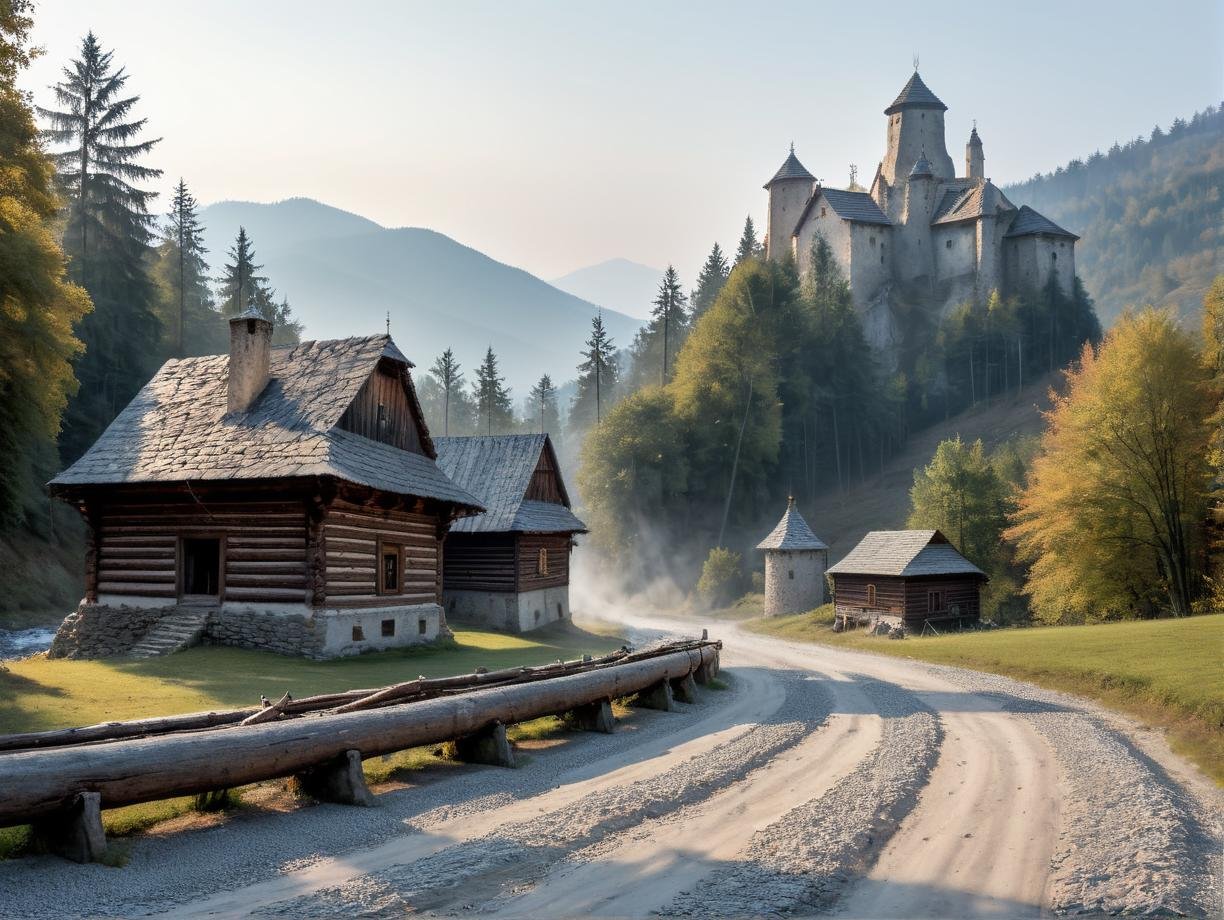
(277,498)
(910,577)
(508,568)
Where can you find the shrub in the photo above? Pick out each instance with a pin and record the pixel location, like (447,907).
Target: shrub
(720,577)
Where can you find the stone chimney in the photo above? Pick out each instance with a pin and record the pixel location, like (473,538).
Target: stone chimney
(250,345)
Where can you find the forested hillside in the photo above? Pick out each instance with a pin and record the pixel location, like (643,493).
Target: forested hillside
(1149,213)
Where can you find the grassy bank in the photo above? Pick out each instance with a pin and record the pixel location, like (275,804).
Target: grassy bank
(1165,672)
(37,693)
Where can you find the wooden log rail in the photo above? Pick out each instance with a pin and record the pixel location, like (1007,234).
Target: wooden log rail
(349,700)
(42,784)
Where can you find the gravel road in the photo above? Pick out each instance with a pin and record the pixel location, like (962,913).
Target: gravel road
(822,782)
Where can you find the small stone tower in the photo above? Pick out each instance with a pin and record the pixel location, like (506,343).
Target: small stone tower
(975,160)
(795,563)
(789,191)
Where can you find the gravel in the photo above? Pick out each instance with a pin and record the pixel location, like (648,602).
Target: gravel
(803,861)
(473,872)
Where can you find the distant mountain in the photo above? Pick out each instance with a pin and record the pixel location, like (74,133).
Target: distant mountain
(618,284)
(342,273)
(1148,213)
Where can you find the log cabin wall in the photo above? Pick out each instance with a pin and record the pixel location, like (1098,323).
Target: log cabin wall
(851,591)
(557,548)
(479,562)
(352,537)
(545,485)
(383,412)
(960,591)
(263,545)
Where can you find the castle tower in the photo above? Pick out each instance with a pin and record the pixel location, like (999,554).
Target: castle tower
(795,563)
(914,257)
(915,128)
(975,160)
(789,191)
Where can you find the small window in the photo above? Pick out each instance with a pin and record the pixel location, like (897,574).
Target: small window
(382,417)
(537,616)
(871,240)
(791,574)
(388,628)
(935,601)
(542,562)
(823,212)
(1053,257)
(422,627)
(948,244)
(389,573)
(871,596)
(358,634)
(560,612)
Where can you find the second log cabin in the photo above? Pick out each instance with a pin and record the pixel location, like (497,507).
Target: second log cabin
(284,498)
(508,569)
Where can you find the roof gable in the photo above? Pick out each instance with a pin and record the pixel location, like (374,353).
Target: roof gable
(177,427)
(1030,223)
(904,553)
(499,470)
(856,207)
(969,202)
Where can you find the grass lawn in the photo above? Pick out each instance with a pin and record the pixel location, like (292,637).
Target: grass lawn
(1166,672)
(38,693)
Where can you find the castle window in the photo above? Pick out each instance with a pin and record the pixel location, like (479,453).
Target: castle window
(823,212)
(871,240)
(790,574)
(1053,257)
(948,244)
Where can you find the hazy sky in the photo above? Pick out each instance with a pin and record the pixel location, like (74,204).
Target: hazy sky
(556,135)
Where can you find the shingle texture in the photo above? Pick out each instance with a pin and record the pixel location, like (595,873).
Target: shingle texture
(970,202)
(792,533)
(916,94)
(1028,222)
(855,206)
(177,427)
(497,469)
(791,169)
(904,553)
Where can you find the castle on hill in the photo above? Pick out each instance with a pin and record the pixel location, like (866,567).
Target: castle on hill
(921,234)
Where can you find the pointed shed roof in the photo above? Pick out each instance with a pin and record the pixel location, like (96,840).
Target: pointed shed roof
(792,533)
(1029,223)
(915,95)
(904,553)
(922,167)
(791,169)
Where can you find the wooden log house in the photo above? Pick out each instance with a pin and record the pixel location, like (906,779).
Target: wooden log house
(280,498)
(508,569)
(907,577)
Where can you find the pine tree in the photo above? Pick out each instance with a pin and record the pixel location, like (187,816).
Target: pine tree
(240,283)
(449,376)
(710,281)
(749,247)
(38,305)
(495,413)
(542,406)
(656,343)
(192,324)
(598,376)
(107,238)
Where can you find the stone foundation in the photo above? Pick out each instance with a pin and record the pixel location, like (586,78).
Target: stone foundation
(508,612)
(112,629)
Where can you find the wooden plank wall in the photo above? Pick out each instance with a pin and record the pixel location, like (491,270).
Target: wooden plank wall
(557,547)
(851,591)
(961,590)
(545,485)
(350,538)
(400,428)
(264,546)
(479,562)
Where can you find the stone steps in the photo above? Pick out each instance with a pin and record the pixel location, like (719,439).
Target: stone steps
(172,633)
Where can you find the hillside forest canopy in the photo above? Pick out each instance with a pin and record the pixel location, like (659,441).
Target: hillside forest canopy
(749,386)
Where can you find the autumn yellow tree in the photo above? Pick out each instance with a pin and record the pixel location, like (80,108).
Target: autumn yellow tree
(1213,360)
(1111,516)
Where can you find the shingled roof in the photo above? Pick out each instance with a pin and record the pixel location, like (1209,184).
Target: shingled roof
(858,207)
(1029,222)
(916,95)
(497,469)
(792,533)
(904,553)
(791,169)
(969,202)
(177,428)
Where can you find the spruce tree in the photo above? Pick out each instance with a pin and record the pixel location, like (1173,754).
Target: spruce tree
(107,236)
(495,413)
(38,305)
(749,247)
(542,406)
(192,325)
(449,377)
(710,281)
(656,343)
(240,282)
(598,376)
